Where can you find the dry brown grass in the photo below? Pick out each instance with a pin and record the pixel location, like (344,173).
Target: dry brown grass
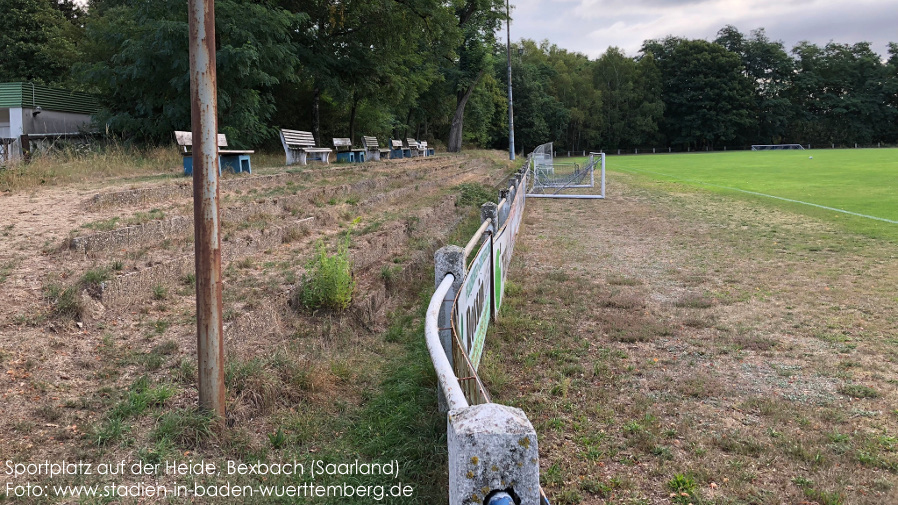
(107,163)
(300,385)
(764,373)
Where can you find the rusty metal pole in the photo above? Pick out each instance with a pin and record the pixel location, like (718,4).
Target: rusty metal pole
(204,123)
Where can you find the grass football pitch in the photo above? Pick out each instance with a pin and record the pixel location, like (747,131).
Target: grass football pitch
(855,187)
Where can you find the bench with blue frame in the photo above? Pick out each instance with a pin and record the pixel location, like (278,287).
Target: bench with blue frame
(373,151)
(398,150)
(300,146)
(235,160)
(350,154)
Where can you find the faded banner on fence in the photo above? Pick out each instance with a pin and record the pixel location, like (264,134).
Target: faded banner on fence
(473,305)
(485,278)
(503,246)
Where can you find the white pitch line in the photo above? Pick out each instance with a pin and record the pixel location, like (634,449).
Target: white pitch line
(765,195)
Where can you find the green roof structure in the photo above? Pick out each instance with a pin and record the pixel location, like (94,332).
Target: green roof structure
(30,95)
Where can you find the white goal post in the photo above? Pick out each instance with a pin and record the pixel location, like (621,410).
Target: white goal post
(775,147)
(549,179)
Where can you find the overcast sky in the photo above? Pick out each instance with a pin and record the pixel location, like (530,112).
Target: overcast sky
(591,26)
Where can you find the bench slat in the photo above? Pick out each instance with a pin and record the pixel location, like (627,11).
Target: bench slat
(298,138)
(185,140)
(299,146)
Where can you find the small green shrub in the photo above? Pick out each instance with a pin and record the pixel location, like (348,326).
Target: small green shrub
(328,282)
(683,487)
(94,277)
(475,194)
(64,302)
(858,391)
(277,439)
(160,292)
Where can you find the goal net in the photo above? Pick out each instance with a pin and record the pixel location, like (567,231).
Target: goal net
(775,147)
(551,179)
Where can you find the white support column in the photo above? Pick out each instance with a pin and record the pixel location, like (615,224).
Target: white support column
(16,130)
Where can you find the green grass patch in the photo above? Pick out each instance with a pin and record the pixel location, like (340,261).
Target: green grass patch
(475,194)
(327,283)
(860,181)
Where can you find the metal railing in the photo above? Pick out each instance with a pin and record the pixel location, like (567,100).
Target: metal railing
(466,298)
(446,376)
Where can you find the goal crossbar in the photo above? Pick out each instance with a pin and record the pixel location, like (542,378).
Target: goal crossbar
(775,147)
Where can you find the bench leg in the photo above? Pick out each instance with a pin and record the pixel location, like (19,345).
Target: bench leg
(188,165)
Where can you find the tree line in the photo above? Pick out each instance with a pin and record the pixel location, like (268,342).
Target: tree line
(434,70)
(737,90)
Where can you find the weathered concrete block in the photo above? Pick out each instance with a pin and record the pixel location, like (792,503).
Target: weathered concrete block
(490,211)
(447,260)
(492,447)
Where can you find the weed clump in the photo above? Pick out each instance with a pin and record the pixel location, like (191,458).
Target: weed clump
(64,302)
(475,194)
(328,282)
(859,391)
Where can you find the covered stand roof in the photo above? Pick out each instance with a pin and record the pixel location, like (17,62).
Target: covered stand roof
(30,95)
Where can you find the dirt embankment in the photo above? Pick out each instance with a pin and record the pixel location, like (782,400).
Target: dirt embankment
(127,255)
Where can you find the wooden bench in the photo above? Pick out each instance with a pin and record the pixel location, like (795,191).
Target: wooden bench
(234,159)
(425,151)
(413,147)
(399,151)
(373,151)
(300,145)
(349,153)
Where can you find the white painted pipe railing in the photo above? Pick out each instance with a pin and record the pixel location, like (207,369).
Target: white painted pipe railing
(455,398)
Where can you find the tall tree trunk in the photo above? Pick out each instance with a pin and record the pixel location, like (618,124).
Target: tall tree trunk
(408,120)
(459,118)
(316,115)
(352,111)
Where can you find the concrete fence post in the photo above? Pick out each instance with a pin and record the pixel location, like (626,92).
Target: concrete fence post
(489,211)
(447,260)
(503,212)
(492,448)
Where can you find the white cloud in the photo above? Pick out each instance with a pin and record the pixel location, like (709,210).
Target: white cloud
(591,26)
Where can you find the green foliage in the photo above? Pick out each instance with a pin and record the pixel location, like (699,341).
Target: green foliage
(772,70)
(138,53)
(707,96)
(474,194)
(160,292)
(277,439)
(540,116)
(434,70)
(631,105)
(859,391)
(184,427)
(683,487)
(38,44)
(327,283)
(844,94)
(64,301)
